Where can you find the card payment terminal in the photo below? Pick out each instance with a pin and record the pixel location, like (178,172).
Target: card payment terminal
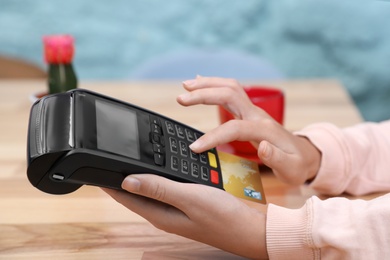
(81,137)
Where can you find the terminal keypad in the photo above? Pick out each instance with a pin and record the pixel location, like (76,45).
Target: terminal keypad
(177,155)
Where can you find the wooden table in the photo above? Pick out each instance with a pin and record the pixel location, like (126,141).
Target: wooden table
(88,224)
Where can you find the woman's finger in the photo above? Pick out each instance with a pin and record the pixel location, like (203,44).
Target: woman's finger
(233,130)
(209,82)
(235,100)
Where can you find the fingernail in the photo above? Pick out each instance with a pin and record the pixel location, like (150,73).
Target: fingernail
(198,76)
(195,145)
(131,184)
(189,83)
(265,151)
(184,97)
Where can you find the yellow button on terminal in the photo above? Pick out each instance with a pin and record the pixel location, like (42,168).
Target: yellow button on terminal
(212,160)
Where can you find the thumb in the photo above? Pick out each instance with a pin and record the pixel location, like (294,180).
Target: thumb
(270,154)
(154,187)
(275,158)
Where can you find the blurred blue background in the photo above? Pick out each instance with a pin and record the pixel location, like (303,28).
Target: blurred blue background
(348,40)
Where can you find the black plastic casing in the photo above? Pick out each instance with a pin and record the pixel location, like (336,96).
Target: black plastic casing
(59,162)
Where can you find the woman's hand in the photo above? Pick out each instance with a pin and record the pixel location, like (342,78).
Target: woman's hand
(198,212)
(207,214)
(293,159)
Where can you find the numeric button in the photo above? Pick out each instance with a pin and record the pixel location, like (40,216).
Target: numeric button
(190,135)
(203,158)
(184,166)
(197,135)
(204,173)
(194,156)
(195,170)
(170,128)
(180,131)
(173,145)
(174,163)
(183,149)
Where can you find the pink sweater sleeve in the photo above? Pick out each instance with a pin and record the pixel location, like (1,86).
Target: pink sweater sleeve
(354,160)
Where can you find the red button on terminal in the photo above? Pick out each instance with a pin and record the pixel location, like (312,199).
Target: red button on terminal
(214,177)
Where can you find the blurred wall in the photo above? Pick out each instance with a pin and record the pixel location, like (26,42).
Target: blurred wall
(347,40)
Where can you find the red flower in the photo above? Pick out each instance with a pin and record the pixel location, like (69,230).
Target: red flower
(58,49)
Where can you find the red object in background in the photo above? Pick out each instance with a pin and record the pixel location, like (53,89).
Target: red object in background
(58,49)
(271,100)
